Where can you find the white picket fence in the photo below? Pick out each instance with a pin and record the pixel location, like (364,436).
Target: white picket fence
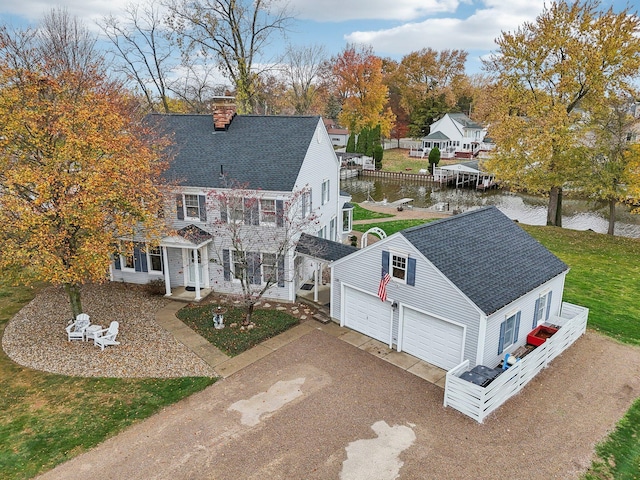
(477,402)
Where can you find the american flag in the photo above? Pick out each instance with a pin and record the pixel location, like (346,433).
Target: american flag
(382,288)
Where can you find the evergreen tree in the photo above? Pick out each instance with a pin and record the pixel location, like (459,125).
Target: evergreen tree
(378,153)
(351,143)
(363,139)
(434,158)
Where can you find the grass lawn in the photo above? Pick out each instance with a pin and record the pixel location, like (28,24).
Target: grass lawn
(392,226)
(233,340)
(46,419)
(360,213)
(605,277)
(397,160)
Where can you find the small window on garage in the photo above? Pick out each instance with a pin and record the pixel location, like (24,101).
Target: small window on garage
(399,267)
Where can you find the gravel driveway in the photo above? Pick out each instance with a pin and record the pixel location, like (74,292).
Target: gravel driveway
(306,410)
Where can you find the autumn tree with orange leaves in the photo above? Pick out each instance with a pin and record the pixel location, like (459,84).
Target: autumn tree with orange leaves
(78,168)
(359,83)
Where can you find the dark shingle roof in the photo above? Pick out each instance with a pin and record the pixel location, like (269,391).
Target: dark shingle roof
(321,248)
(436,136)
(257,152)
(486,255)
(464,120)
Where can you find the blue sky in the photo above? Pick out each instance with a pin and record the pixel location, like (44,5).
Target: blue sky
(392,27)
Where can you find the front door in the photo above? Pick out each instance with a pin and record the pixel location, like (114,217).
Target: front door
(193,261)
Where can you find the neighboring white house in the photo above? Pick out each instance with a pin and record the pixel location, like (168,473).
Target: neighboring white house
(456,135)
(338,135)
(216,154)
(468,287)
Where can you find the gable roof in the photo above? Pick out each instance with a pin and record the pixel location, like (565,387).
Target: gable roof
(322,248)
(486,255)
(436,136)
(464,120)
(251,152)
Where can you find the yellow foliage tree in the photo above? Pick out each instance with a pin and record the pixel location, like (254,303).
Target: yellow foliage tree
(359,82)
(550,74)
(78,171)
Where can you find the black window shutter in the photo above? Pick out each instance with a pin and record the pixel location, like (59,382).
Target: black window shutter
(503,325)
(535,314)
(516,328)
(226,265)
(548,305)
(253,267)
(255,213)
(279,213)
(202,203)
(385,261)
(137,258)
(247,211)
(411,271)
(281,271)
(116,261)
(179,207)
(223,211)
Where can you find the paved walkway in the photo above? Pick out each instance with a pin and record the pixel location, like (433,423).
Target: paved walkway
(225,365)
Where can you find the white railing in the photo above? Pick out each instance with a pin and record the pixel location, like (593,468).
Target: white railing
(478,402)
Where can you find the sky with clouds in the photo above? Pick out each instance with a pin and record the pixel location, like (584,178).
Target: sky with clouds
(393,28)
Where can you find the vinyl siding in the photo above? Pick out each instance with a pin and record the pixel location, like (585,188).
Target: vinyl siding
(321,163)
(432,293)
(526,305)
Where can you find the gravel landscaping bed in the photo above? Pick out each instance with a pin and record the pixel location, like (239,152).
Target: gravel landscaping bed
(36,337)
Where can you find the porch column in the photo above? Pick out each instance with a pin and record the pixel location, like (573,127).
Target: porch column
(315,282)
(196,273)
(165,264)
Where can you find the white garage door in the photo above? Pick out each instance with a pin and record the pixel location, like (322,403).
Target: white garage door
(431,339)
(367,314)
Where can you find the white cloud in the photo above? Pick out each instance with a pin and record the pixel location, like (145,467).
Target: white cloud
(88,10)
(341,10)
(475,32)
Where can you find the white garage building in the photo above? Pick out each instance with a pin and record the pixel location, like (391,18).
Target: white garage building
(466,287)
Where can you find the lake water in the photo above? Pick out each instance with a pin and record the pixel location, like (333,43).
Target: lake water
(577,214)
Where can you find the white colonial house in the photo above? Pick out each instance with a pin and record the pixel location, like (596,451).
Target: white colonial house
(220,153)
(457,136)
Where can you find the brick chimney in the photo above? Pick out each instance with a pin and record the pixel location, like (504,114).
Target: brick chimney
(224,109)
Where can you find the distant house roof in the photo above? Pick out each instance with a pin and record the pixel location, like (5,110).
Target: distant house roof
(464,120)
(250,152)
(436,136)
(322,248)
(468,167)
(486,255)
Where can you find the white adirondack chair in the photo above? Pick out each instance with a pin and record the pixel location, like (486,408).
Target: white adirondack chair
(107,337)
(75,330)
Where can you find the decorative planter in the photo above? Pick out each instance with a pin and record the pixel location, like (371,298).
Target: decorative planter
(539,335)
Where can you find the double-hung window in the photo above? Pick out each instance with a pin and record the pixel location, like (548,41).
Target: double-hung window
(236,211)
(399,267)
(542,309)
(306,204)
(325,191)
(192,207)
(269,268)
(267,211)
(128,259)
(509,332)
(155,259)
